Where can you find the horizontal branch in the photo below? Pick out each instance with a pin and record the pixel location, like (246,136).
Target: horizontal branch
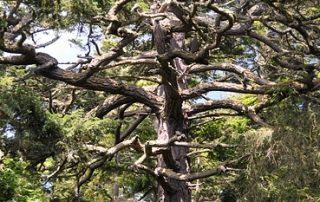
(239,88)
(130,61)
(190,177)
(16,60)
(213,115)
(94,148)
(133,143)
(104,84)
(217,104)
(242,109)
(244,72)
(203,146)
(198,152)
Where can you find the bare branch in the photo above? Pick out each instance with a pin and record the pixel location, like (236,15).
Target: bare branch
(198,152)
(190,177)
(239,88)
(250,112)
(208,146)
(130,61)
(47,43)
(45,62)
(94,147)
(214,115)
(266,41)
(245,73)
(59,168)
(96,46)
(112,103)
(98,162)
(132,127)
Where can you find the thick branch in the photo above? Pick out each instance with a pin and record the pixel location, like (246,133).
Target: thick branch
(104,84)
(112,103)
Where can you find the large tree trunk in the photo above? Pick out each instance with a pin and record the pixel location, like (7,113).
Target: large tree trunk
(178,163)
(170,122)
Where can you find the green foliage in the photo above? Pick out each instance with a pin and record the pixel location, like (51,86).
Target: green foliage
(26,118)
(238,125)
(284,168)
(43,136)
(209,132)
(7,183)
(18,184)
(227,131)
(246,99)
(83,130)
(284,162)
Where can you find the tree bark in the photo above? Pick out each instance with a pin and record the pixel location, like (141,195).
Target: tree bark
(170,122)
(176,159)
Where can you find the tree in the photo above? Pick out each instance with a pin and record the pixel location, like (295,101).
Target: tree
(158,59)
(284,166)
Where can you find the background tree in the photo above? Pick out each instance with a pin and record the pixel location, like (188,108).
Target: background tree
(150,63)
(284,167)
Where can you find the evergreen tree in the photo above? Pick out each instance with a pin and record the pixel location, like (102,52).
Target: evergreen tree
(149,65)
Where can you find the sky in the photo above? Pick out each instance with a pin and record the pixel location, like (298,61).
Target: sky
(62,49)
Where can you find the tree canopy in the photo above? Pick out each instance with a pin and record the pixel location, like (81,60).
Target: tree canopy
(134,116)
